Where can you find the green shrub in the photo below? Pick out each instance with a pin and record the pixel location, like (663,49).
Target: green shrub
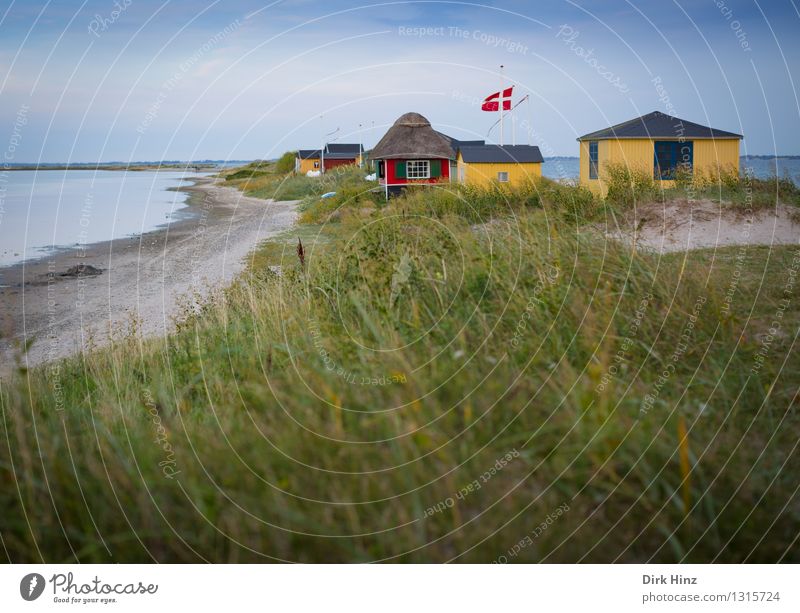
(285,163)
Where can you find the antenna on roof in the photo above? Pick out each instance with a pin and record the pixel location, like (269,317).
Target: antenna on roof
(501,104)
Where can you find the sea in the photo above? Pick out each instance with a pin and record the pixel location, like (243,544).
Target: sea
(43,211)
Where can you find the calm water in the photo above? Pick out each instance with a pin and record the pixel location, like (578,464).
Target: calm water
(569,168)
(42,211)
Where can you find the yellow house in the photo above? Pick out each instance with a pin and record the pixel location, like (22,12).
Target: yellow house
(657,144)
(483,164)
(307,159)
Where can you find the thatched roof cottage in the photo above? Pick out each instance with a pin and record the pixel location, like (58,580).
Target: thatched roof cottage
(412,152)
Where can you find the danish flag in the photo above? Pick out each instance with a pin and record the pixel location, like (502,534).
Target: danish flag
(492,103)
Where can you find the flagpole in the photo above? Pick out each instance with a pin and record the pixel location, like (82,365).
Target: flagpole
(322,149)
(513,126)
(530,127)
(500,105)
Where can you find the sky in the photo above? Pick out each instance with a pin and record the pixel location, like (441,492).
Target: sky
(129,80)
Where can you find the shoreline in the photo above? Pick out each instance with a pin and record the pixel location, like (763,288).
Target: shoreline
(144,280)
(48,253)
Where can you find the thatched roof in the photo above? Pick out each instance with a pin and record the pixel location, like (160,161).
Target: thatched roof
(412,136)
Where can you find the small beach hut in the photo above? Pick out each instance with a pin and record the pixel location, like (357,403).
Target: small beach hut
(306,160)
(412,152)
(333,155)
(660,144)
(483,164)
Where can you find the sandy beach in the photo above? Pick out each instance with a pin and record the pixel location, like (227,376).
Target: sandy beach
(144,280)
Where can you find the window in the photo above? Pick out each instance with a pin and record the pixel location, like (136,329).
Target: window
(593,159)
(670,156)
(379,169)
(316,164)
(502,177)
(418,169)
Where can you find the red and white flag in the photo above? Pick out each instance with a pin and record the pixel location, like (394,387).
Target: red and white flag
(492,103)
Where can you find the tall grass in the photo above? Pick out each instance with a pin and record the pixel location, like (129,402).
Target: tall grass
(341,411)
(271,181)
(628,186)
(476,204)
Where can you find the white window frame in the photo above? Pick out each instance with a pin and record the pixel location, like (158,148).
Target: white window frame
(500,175)
(417,165)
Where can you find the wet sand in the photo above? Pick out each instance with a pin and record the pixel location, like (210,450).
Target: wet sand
(145,280)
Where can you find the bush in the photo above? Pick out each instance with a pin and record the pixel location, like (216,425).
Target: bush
(286,162)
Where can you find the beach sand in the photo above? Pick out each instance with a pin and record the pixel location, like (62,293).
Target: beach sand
(145,281)
(703,224)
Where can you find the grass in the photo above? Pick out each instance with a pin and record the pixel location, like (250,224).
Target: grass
(627,186)
(444,373)
(267,180)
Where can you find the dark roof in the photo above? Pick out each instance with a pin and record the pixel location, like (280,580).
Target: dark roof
(455,143)
(333,151)
(467,143)
(658,125)
(493,154)
(412,136)
(333,148)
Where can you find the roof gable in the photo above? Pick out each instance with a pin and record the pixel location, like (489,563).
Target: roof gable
(658,125)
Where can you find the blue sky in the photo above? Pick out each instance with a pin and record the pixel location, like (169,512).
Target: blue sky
(143,80)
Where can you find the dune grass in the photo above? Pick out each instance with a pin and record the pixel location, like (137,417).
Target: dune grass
(448,376)
(272,180)
(627,186)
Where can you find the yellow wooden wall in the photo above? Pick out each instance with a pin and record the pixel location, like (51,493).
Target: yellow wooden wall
(308,164)
(710,156)
(483,174)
